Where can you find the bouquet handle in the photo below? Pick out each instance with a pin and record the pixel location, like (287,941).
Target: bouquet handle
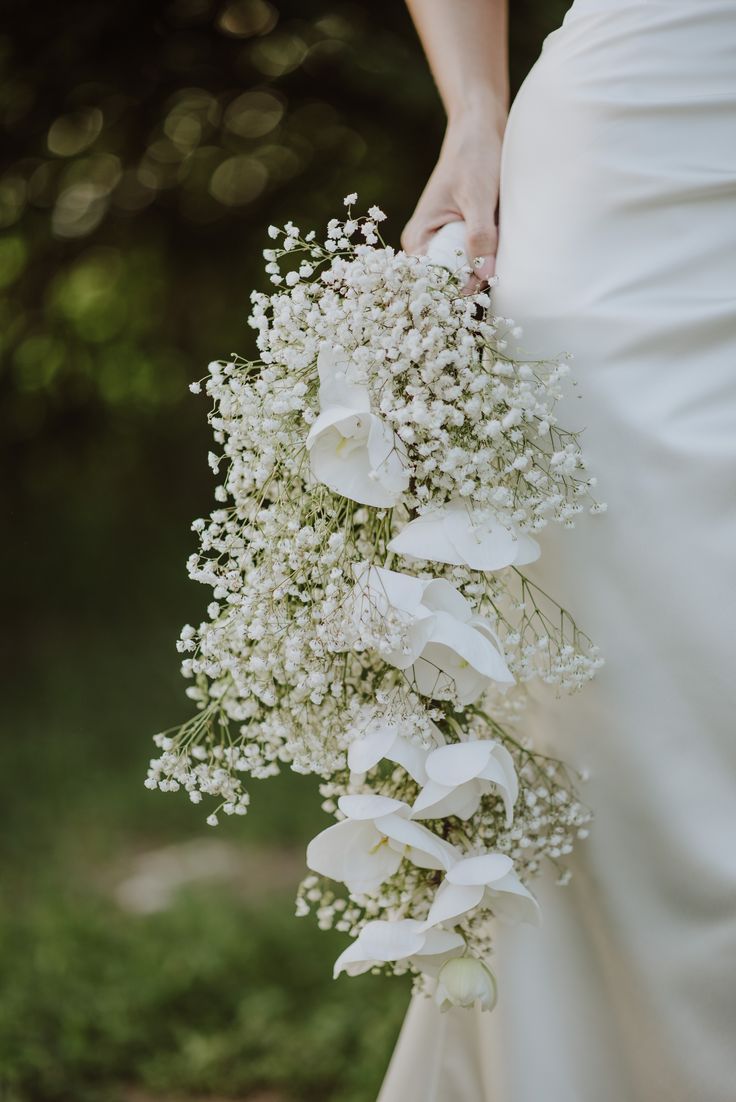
(447,247)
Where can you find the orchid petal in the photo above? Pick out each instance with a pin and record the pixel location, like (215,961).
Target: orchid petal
(459,761)
(426,850)
(349,422)
(500,772)
(366,805)
(383,741)
(387,457)
(453,534)
(411,757)
(425,538)
(486,544)
(485,868)
(432,959)
(439,801)
(339,459)
(440,596)
(392,588)
(502,755)
(453,900)
(473,647)
(352,961)
(386,940)
(375,745)
(439,671)
(354,853)
(511,901)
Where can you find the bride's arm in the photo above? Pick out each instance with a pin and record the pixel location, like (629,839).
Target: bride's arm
(466,45)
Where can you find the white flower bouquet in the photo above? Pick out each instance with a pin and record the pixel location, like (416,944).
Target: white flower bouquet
(386,463)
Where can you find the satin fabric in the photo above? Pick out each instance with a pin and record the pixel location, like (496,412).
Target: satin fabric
(618,244)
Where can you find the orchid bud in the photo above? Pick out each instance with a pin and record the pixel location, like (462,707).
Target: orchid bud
(463,981)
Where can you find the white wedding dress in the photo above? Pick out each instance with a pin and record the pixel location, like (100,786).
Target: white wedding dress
(618,244)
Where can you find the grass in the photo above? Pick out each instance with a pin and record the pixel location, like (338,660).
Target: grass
(224,994)
(205,997)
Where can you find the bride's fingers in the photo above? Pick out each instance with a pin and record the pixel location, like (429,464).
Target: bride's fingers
(482,242)
(411,239)
(418,234)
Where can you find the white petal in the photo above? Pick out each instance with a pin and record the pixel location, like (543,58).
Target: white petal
(431,960)
(502,755)
(429,680)
(349,423)
(340,461)
(415,640)
(440,671)
(472,646)
(391,588)
(528,550)
(453,900)
(485,627)
(419,845)
(366,752)
(425,538)
(500,771)
(512,902)
(388,458)
(483,869)
(444,665)
(454,535)
(352,960)
(439,801)
(486,544)
(354,853)
(411,757)
(440,596)
(437,940)
(378,942)
(385,940)
(459,761)
(365,805)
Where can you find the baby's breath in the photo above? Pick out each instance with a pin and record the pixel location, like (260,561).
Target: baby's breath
(278,671)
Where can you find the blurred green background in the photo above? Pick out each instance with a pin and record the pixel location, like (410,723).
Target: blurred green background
(145,149)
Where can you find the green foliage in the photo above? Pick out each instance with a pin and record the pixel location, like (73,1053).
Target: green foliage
(204,997)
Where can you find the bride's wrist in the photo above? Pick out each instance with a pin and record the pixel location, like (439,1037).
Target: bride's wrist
(480,111)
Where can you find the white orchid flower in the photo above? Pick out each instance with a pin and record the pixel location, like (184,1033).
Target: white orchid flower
(465,981)
(454,534)
(384,740)
(444,644)
(489,880)
(460,774)
(401,940)
(367,847)
(351,450)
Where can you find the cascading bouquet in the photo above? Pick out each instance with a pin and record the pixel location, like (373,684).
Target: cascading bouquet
(385,463)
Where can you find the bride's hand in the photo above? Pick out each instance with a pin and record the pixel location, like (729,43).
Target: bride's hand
(463,185)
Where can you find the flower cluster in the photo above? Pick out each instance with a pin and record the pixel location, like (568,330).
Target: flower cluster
(385,465)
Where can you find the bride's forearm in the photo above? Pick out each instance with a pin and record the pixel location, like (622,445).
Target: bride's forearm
(466,43)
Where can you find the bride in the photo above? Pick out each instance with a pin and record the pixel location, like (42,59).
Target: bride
(617,224)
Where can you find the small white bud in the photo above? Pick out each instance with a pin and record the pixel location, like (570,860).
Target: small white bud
(463,981)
